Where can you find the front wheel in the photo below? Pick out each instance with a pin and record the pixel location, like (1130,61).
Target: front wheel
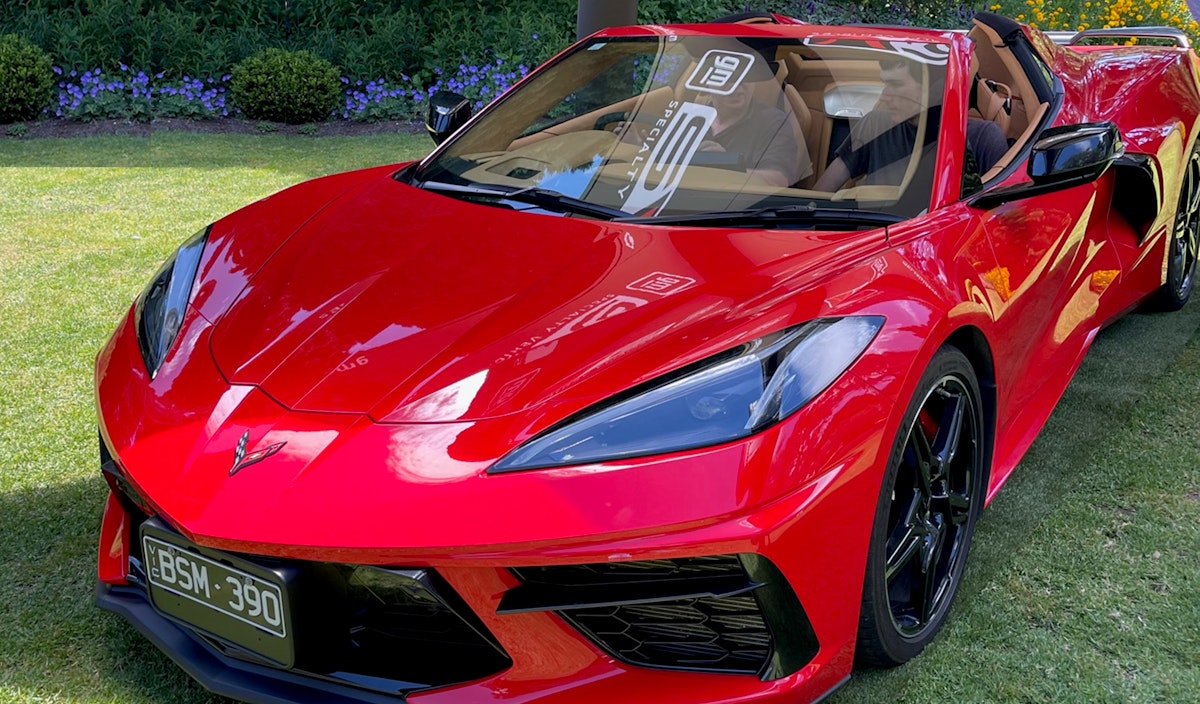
(1185,242)
(930,498)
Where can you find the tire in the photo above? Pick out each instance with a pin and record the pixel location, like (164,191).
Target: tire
(924,520)
(1184,244)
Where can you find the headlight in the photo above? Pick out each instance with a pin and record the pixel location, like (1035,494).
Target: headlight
(726,397)
(159,310)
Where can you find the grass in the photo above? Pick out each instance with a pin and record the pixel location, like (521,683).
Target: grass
(1084,585)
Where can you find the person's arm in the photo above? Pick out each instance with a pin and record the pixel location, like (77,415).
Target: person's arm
(835,175)
(986,141)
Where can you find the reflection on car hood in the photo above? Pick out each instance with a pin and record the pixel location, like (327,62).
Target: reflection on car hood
(416,307)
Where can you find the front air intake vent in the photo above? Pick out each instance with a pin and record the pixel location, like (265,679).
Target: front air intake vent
(711,613)
(718,634)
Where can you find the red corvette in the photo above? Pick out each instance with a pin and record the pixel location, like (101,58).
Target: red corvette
(680,373)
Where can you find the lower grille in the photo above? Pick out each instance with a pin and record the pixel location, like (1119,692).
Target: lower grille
(410,625)
(717,634)
(722,613)
(386,630)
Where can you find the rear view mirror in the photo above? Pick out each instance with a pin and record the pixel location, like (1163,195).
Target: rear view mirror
(447,112)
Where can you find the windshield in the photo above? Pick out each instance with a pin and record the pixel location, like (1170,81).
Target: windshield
(664,127)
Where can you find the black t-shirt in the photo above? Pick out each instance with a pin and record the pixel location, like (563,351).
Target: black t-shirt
(879,150)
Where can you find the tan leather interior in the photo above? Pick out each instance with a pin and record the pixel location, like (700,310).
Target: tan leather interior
(811,80)
(995,62)
(653,102)
(991,99)
(1015,149)
(993,102)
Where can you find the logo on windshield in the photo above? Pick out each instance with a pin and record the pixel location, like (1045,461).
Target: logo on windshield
(720,72)
(664,155)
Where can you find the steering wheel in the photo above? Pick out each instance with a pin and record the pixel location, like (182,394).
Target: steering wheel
(603,122)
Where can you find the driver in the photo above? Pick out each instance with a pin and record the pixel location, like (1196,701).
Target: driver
(763,136)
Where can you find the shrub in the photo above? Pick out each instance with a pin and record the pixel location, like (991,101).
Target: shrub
(26,79)
(286,86)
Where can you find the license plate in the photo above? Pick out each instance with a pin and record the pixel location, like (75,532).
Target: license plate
(245,609)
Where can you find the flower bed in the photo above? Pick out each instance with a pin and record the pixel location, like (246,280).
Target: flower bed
(136,95)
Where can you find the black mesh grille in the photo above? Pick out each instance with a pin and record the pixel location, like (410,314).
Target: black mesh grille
(722,634)
(687,629)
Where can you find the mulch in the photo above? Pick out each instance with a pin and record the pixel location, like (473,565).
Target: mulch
(51,129)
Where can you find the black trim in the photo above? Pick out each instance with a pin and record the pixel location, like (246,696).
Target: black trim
(1137,194)
(829,692)
(1006,27)
(1020,191)
(1014,38)
(795,640)
(542,597)
(222,675)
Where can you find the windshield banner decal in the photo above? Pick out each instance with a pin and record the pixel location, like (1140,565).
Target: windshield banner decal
(932,53)
(671,145)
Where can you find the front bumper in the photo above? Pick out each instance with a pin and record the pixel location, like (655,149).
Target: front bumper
(223,675)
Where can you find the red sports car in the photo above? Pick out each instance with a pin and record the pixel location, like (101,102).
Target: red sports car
(680,373)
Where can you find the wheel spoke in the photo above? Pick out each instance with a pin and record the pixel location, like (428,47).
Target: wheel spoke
(958,509)
(907,549)
(930,560)
(1192,243)
(922,458)
(945,443)
(1193,183)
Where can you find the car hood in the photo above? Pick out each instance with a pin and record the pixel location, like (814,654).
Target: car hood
(416,307)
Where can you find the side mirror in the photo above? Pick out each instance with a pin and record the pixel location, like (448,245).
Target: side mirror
(1075,154)
(447,112)
(1062,157)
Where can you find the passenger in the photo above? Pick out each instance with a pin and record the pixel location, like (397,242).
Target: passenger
(881,144)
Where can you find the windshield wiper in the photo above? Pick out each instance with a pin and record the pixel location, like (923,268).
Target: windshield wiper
(541,197)
(781,215)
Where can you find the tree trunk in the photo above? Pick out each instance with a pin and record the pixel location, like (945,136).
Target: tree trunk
(595,15)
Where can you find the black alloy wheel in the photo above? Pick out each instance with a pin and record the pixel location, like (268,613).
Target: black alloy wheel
(1185,241)
(931,496)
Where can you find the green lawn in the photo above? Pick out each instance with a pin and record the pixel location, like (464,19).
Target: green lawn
(1084,585)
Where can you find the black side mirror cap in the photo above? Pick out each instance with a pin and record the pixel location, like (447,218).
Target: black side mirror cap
(1062,157)
(1075,153)
(447,112)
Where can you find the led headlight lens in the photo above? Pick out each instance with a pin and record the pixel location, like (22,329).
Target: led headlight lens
(731,395)
(160,308)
